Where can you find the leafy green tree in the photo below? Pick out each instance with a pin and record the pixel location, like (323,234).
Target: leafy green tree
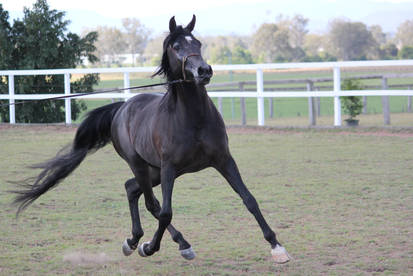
(221,55)
(241,55)
(388,51)
(352,105)
(41,41)
(406,52)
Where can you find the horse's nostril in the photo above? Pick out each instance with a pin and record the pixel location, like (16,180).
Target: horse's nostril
(201,71)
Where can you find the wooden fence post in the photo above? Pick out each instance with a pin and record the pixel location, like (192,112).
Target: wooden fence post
(385,103)
(243,109)
(318,105)
(364,111)
(271,107)
(311,105)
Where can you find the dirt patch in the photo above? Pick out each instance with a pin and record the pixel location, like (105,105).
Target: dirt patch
(86,259)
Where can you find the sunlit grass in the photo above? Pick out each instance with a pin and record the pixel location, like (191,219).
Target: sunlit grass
(340,203)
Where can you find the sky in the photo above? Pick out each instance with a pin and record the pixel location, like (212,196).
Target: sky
(223,17)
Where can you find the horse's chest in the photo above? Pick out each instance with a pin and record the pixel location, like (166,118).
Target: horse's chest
(194,152)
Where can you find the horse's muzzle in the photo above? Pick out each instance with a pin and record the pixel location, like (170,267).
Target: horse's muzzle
(204,74)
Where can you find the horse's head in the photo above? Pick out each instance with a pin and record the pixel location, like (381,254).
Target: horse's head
(181,57)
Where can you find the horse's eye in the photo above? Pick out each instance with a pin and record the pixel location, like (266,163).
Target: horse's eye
(176,46)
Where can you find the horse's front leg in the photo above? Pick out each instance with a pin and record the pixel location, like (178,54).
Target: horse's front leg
(165,215)
(228,168)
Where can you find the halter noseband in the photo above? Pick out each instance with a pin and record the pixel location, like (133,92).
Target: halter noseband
(183,64)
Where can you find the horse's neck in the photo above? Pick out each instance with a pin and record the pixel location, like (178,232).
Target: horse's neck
(191,101)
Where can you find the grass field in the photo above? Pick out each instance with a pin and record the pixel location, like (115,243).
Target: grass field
(341,202)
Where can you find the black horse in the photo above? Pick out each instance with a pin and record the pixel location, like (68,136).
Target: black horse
(160,137)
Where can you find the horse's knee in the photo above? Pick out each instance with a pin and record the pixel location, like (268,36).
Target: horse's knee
(132,189)
(153,207)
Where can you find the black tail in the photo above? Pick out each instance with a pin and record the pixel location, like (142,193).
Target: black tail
(92,134)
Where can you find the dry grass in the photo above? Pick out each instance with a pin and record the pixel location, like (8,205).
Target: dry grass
(341,202)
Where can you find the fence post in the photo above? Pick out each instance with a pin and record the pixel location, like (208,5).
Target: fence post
(68,107)
(364,111)
(260,98)
(126,84)
(311,105)
(337,102)
(242,101)
(385,102)
(12,107)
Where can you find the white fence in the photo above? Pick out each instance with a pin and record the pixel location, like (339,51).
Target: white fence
(260,94)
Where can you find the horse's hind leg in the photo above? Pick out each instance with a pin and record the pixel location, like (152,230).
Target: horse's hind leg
(133,193)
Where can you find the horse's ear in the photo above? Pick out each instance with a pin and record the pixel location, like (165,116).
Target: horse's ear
(191,24)
(172,24)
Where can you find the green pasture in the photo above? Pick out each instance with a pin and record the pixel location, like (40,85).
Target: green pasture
(340,201)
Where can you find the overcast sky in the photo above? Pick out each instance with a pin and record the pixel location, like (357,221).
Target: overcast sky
(220,17)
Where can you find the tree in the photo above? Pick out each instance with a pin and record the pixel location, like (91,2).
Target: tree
(378,35)
(406,52)
(388,51)
(297,29)
(350,40)
(404,35)
(313,44)
(110,45)
(41,41)
(136,36)
(264,43)
(280,42)
(153,50)
(221,55)
(241,55)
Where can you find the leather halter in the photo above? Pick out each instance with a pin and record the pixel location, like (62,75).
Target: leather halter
(184,61)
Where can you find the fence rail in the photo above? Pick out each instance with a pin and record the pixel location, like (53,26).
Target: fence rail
(259,93)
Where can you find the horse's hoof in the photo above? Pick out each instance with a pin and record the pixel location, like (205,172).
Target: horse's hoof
(141,251)
(280,255)
(188,253)
(126,249)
